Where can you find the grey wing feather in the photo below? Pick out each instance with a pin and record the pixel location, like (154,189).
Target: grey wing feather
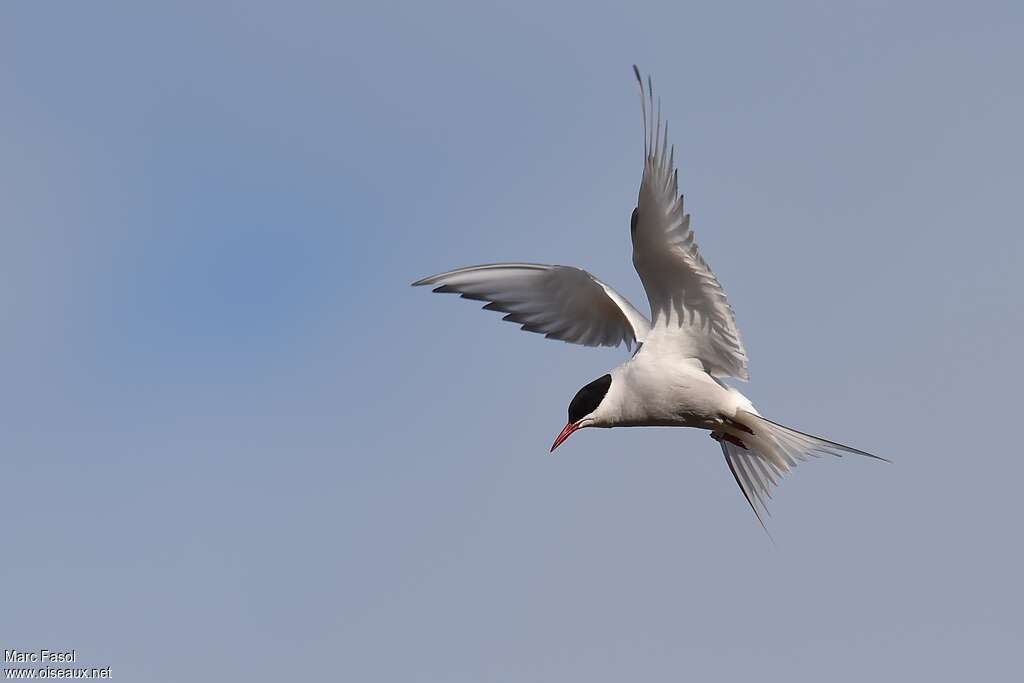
(560,302)
(689,309)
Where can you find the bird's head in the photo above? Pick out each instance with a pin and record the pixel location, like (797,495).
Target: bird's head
(585,408)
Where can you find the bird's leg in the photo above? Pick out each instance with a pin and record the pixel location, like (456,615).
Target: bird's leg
(719,436)
(740,426)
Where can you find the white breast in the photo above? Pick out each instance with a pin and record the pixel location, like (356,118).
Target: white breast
(652,389)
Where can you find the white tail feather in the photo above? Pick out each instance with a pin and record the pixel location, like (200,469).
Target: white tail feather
(769,451)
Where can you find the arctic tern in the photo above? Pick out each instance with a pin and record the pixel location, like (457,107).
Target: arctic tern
(689,343)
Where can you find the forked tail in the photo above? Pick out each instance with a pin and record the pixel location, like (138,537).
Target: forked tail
(760,452)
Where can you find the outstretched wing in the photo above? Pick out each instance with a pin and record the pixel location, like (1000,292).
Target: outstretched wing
(689,310)
(560,302)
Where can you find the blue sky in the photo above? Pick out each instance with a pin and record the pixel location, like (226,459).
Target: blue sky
(237,444)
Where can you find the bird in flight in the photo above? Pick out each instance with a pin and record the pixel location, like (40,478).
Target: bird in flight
(689,343)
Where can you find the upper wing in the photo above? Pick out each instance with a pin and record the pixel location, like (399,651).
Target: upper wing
(560,302)
(688,306)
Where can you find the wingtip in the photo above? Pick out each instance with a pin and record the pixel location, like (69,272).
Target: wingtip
(636,72)
(421,282)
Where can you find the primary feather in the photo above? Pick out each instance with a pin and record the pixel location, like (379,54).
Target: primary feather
(560,302)
(689,309)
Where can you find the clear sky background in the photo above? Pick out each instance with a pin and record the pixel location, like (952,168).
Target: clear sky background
(236,445)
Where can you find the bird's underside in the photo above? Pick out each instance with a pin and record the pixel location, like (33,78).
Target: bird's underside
(691,330)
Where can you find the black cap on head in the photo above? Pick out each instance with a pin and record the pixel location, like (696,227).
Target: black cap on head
(589,398)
